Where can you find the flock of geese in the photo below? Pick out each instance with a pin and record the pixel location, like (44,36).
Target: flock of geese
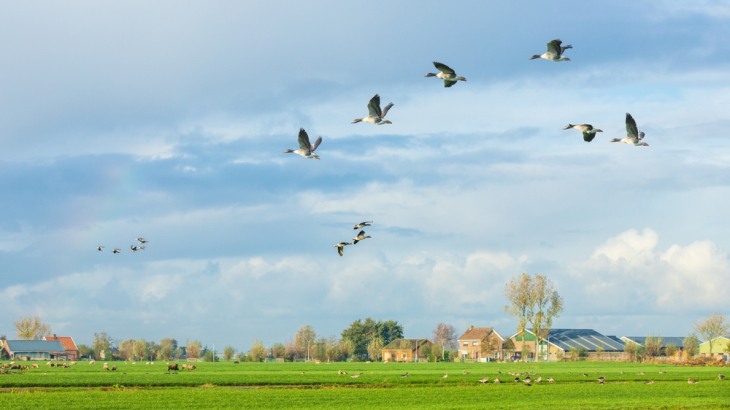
(360,237)
(376,115)
(134,248)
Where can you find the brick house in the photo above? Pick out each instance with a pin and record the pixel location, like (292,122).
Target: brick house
(470,344)
(72,352)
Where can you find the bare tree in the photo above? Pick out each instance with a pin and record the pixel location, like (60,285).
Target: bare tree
(193,349)
(375,348)
(304,338)
(519,293)
(228,353)
(653,346)
(490,344)
(546,305)
(31,328)
(712,327)
(444,335)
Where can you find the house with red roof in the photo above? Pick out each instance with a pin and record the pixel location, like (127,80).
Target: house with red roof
(72,352)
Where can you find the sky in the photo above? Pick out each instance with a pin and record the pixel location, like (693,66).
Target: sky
(168,120)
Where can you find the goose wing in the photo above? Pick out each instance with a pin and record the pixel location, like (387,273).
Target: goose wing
(631,131)
(448,82)
(374,106)
(340,250)
(588,136)
(385,110)
(316,144)
(444,68)
(553,47)
(304,140)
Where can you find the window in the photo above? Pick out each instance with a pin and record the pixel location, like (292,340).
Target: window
(473,343)
(466,343)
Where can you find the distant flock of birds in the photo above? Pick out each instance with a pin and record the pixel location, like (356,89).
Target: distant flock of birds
(360,237)
(133,248)
(376,115)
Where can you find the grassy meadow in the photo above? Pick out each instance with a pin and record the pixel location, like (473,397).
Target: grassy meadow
(282,385)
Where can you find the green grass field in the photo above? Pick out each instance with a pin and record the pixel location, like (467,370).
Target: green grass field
(282,385)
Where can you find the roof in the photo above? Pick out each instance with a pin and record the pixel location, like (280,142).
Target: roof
(588,339)
(675,340)
(477,333)
(715,340)
(405,344)
(34,346)
(67,342)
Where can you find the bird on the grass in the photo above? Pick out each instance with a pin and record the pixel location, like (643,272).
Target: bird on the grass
(404,375)
(527,379)
(651,381)
(551,380)
(497,381)
(446,73)
(375,114)
(340,247)
(720,377)
(585,375)
(99,248)
(587,129)
(465,372)
(305,148)
(356,375)
(362,225)
(554,52)
(360,236)
(662,372)
(517,379)
(538,380)
(445,376)
(690,381)
(633,135)
(484,380)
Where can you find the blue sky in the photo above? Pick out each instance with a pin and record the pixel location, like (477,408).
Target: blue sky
(167,120)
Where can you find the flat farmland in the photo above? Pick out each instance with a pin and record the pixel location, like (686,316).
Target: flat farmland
(282,385)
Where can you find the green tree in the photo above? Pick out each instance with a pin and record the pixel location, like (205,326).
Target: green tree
(670,350)
(278,350)
(257,351)
(126,349)
(653,346)
(140,349)
(362,333)
(210,356)
(489,344)
(509,347)
(166,349)
(241,357)
(228,353)
(102,346)
(85,351)
(691,345)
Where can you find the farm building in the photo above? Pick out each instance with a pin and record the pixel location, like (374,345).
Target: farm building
(72,352)
(675,340)
(719,345)
(559,342)
(34,350)
(404,350)
(471,344)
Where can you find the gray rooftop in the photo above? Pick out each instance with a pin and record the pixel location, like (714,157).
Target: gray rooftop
(588,339)
(675,340)
(34,346)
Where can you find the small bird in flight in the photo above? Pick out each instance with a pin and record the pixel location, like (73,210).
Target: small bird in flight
(116,250)
(340,247)
(362,225)
(99,248)
(142,240)
(360,236)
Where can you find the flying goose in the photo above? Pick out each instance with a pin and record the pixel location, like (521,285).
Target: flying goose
(142,240)
(446,74)
(116,250)
(340,247)
(633,135)
(137,248)
(360,236)
(554,52)
(99,248)
(375,114)
(587,129)
(362,225)
(305,148)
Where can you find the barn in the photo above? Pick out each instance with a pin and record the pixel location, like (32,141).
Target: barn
(34,350)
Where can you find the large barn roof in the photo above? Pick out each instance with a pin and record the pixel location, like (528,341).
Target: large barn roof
(67,342)
(34,346)
(675,340)
(588,339)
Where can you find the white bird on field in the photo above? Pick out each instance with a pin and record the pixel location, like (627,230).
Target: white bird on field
(633,135)
(554,52)
(340,247)
(587,129)
(305,148)
(446,73)
(375,114)
(360,236)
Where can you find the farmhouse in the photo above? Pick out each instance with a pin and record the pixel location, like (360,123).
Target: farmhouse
(34,350)
(674,340)
(719,345)
(404,350)
(559,342)
(472,344)
(72,352)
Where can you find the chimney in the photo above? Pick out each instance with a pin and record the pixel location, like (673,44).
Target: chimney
(54,335)
(471,327)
